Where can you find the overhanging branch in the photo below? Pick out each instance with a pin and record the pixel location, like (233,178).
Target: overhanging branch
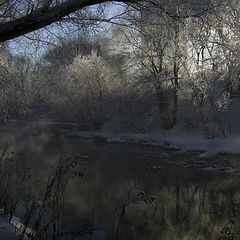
(45,16)
(42,17)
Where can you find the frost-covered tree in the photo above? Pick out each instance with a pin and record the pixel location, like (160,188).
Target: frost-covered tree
(93,85)
(20,93)
(173,55)
(157,50)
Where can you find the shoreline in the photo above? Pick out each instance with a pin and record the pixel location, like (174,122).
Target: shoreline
(185,155)
(179,148)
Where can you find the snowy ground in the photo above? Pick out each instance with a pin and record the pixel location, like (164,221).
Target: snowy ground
(172,140)
(9,231)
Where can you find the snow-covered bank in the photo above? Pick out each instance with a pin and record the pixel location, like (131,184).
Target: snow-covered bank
(184,149)
(10,231)
(178,141)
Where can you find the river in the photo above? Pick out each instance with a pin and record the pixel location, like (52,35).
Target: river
(126,192)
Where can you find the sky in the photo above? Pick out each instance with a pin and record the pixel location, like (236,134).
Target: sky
(36,43)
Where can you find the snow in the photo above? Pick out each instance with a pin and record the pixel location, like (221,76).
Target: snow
(208,155)
(219,169)
(180,152)
(10,231)
(177,141)
(7,230)
(173,140)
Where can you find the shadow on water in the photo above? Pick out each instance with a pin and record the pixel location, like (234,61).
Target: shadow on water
(127,193)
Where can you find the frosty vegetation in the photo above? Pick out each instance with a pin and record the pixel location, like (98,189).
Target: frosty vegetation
(137,71)
(150,70)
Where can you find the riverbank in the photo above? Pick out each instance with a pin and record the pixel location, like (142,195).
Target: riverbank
(216,154)
(180,148)
(10,230)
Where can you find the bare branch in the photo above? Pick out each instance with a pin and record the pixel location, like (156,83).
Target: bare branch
(41,18)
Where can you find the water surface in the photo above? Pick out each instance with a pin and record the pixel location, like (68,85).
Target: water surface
(128,193)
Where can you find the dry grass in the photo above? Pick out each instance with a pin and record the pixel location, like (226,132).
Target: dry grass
(43,218)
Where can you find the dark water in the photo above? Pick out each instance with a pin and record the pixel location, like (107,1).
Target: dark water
(127,193)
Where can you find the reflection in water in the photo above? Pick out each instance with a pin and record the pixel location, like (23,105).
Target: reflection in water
(117,195)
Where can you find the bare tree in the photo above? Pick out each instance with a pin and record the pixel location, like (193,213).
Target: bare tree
(24,16)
